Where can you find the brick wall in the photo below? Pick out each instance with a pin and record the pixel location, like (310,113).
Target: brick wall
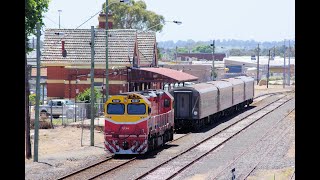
(69,90)
(55,90)
(56,72)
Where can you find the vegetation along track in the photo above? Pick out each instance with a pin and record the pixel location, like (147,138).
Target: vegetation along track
(110,164)
(178,163)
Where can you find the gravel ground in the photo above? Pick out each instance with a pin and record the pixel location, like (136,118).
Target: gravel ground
(60,151)
(211,165)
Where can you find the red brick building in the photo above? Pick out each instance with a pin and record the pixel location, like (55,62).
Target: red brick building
(130,54)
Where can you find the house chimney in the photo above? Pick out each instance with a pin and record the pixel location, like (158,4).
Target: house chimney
(64,52)
(102,20)
(62,43)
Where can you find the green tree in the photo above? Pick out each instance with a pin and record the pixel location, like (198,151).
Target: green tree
(202,49)
(33,14)
(32,99)
(182,50)
(134,15)
(85,96)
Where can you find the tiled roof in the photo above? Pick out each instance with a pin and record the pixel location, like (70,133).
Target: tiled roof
(121,43)
(146,41)
(176,75)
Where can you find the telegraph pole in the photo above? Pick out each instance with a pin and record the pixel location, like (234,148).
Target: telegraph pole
(284,64)
(176,57)
(213,70)
(258,65)
(92,88)
(107,62)
(59,16)
(268,69)
(289,70)
(36,121)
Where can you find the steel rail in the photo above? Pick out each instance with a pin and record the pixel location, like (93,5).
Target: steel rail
(153,169)
(265,154)
(85,168)
(251,146)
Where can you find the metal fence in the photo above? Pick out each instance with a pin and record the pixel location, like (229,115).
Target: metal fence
(67,114)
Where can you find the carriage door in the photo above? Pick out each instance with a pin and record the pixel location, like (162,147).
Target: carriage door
(183,104)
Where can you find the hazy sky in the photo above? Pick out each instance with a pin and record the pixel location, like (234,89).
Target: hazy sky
(260,20)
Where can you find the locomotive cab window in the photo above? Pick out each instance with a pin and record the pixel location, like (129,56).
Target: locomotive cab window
(136,109)
(115,108)
(166,103)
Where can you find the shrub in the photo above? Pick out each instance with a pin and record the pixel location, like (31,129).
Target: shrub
(32,99)
(85,96)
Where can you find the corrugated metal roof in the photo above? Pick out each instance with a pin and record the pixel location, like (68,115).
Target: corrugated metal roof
(176,75)
(263,60)
(121,43)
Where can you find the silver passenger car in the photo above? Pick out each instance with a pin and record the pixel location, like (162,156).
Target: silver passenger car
(248,86)
(224,94)
(237,90)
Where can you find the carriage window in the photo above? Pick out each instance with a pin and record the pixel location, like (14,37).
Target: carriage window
(136,108)
(166,103)
(115,109)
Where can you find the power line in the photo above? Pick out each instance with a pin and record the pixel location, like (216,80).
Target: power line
(74,29)
(53,21)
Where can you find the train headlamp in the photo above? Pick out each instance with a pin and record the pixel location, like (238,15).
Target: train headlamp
(195,113)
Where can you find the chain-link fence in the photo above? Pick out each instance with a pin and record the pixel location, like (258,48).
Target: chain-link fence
(67,114)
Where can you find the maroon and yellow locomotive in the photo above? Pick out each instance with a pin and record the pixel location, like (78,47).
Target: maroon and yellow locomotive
(136,122)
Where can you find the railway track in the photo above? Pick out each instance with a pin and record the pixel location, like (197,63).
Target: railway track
(266,153)
(103,167)
(252,147)
(111,164)
(180,162)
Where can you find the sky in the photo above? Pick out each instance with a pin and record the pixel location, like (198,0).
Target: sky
(202,20)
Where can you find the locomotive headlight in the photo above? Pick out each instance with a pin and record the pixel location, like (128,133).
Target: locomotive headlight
(195,113)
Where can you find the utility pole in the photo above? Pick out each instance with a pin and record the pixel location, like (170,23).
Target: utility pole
(268,69)
(284,63)
(42,92)
(36,121)
(274,52)
(213,70)
(258,65)
(176,56)
(59,16)
(107,62)
(289,70)
(92,88)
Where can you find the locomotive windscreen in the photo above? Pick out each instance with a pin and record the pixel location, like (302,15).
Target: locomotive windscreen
(136,109)
(115,108)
